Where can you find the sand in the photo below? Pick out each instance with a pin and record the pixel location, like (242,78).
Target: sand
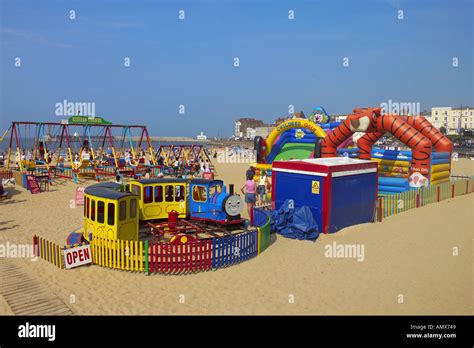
(409,254)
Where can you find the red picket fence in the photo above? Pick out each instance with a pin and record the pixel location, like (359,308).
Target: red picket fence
(5,174)
(180,258)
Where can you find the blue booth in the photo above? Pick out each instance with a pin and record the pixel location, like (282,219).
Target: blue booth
(340,191)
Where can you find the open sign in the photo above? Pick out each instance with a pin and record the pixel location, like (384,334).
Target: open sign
(79,198)
(77,256)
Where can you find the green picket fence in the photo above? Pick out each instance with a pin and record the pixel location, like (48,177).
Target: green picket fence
(388,205)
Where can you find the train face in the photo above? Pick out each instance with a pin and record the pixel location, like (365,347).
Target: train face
(210,201)
(233,205)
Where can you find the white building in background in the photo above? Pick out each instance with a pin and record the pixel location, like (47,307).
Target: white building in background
(237,132)
(339,118)
(245,127)
(453,119)
(201,136)
(263,131)
(250,133)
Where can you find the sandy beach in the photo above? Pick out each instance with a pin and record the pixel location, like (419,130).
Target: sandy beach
(409,254)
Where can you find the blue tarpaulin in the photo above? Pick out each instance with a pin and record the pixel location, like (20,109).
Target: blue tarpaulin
(294,223)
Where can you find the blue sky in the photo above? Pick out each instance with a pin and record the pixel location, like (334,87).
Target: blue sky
(190,62)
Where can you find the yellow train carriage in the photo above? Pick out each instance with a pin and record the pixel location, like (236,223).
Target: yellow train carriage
(110,213)
(157,197)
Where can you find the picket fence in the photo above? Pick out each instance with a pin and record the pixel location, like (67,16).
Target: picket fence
(170,258)
(48,251)
(234,249)
(119,254)
(5,174)
(388,205)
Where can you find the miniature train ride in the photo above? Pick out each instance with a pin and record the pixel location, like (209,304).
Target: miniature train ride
(163,208)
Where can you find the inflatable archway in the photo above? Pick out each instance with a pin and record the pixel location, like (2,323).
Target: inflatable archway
(293,123)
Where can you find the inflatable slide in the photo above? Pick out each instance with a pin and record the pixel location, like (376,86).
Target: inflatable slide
(297,138)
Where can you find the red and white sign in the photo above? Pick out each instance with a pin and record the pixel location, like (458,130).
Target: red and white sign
(32,184)
(79,199)
(77,256)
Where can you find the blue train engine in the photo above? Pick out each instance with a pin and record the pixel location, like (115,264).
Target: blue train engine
(209,201)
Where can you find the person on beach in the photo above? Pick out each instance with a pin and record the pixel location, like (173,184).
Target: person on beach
(250,194)
(250,172)
(262,185)
(128,158)
(201,167)
(269,187)
(118,177)
(176,166)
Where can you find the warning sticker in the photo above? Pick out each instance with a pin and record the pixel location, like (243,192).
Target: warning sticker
(315,187)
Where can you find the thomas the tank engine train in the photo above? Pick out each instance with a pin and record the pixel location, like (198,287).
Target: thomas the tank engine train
(114,211)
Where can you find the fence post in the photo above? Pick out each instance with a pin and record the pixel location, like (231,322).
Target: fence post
(452,189)
(439,194)
(418,199)
(35,245)
(380,210)
(252,215)
(146,258)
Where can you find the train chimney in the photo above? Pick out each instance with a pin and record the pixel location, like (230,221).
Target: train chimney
(231,189)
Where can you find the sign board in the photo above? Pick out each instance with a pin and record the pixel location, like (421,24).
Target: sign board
(79,198)
(208,176)
(77,256)
(315,187)
(88,120)
(32,184)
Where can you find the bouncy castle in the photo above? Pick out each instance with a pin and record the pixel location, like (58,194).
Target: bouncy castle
(296,138)
(427,162)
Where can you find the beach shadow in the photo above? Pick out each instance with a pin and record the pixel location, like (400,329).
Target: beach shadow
(11,191)
(5,222)
(8,228)
(273,238)
(59,182)
(11,201)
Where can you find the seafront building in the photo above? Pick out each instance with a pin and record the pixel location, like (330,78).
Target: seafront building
(452,119)
(244,128)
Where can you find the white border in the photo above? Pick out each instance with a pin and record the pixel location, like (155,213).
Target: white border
(298,171)
(354,172)
(334,174)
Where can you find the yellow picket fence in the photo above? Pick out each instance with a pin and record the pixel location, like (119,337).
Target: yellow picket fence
(388,205)
(119,254)
(48,251)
